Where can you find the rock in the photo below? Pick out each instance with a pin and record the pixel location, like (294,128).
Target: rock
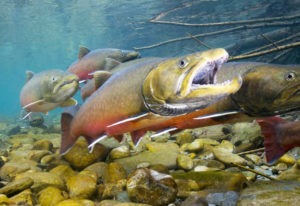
(287,159)
(81,186)
(13,130)
(160,168)
(119,152)
(50,196)
(99,168)
(79,156)
(43,144)
(63,171)
(223,153)
(114,173)
(4,200)
(195,146)
(79,202)
(147,186)
(281,166)
(194,200)
(111,190)
(245,132)
(254,158)
(208,165)
(223,199)
(11,169)
(37,155)
(16,186)
(184,162)
(290,174)
(118,203)
(184,137)
(203,183)
(23,198)
(157,153)
(275,193)
(42,180)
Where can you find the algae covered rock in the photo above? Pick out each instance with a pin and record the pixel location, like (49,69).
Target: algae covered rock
(150,187)
(24,198)
(184,162)
(50,196)
(16,186)
(43,144)
(77,202)
(114,172)
(80,157)
(63,171)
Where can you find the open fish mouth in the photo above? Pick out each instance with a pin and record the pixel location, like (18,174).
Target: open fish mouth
(67,82)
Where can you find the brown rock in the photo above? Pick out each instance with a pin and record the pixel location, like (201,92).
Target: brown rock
(79,156)
(16,186)
(150,187)
(23,198)
(81,186)
(114,173)
(63,171)
(99,168)
(43,144)
(50,196)
(37,155)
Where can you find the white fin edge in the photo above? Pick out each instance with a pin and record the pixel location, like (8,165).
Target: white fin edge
(216,115)
(92,145)
(164,132)
(128,120)
(33,103)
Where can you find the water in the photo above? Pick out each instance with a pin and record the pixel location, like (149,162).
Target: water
(38,35)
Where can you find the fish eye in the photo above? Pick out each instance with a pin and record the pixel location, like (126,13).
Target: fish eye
(182,63)
(54,79)
(290,76)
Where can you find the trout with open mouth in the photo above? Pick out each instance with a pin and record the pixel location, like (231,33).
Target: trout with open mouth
(151,85)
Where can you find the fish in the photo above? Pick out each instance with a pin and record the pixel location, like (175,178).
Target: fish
(121,95)
(46,90)
(260,95)
(280,136)
(99,59)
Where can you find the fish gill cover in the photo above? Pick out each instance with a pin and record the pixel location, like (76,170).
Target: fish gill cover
(39,35)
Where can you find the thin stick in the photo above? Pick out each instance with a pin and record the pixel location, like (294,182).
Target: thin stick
(252,21)
(287,46)
(251,151)
(200,42)
(244,27)
(254,171)
(269,40)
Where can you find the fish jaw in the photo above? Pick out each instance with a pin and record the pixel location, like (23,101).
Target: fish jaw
(184,84)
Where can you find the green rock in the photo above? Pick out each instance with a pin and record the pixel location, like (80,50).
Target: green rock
(63,171)
(16,186)
(275,193)
(114,172)
(50,196)
(81,186)
(43,144)
(184,162)
(23,198)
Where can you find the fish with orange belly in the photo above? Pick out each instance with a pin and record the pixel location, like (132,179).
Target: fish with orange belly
(99,59)
(121,96)
(280,136)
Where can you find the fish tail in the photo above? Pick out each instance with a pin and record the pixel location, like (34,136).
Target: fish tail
(67,139)
(269,128)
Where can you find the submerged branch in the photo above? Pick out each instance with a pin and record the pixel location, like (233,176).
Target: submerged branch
(252,21)
(254,171)
(274,24)
(279,48)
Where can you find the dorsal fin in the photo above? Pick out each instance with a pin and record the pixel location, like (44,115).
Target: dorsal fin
(29,75)
(100,77)
(83,51)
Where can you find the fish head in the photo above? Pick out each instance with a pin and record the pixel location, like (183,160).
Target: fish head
(269,90)
(123,55)
(61,85)
(47,90)
(180,85)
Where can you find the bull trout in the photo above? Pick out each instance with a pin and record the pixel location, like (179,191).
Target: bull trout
(99,59)
(124,94)
(267,90)
(47,90)
(279,136)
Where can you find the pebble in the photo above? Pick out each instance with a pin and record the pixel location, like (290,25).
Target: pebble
(184,162)
(16,186)
(119,152)
(50,196)
(229,198)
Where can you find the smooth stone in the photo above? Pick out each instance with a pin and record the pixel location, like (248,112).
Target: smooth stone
(195,146)
(275,193)
(281,166)
(203,183)
(119,152)
(223,153)
(216,132)
(254,158)
(229,198)
(112,190)
(4,200)
(245,132)
(151,187)
(16,186)
(212,164)
(37,155)
(287,159)
(23,198)
(194,200)
(42,180)
(10,169)
(50,196)
(43,144)
(63,171)
(79,156)
(160,168)
(184,162)
(118,203)
(114,173)
(157,153)
(99,168)
(81,186)
(77,202)
(249,175)
(184,137)
(290,174)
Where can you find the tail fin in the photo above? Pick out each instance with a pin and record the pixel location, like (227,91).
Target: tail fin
(67,140)
(269,128)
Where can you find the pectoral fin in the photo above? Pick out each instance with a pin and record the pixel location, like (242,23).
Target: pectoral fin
(110,63)
(69,102)
(33,103)
(100,77)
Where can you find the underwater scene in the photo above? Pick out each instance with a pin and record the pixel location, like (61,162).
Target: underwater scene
(162,103)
